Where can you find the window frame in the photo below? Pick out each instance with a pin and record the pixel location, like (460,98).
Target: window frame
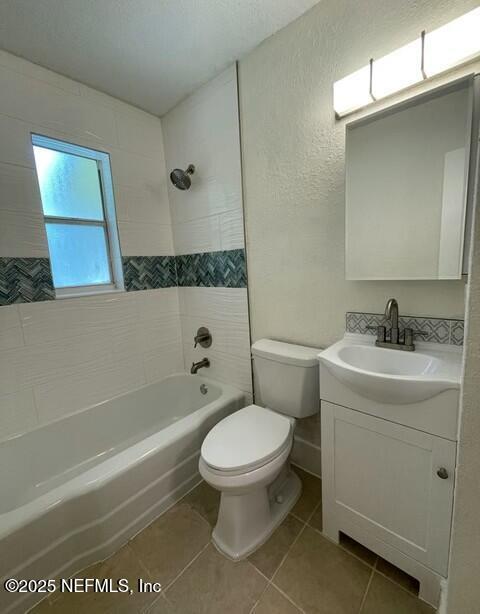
(109,222)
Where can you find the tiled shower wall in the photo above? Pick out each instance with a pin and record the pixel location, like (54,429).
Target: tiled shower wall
(58,356)
(208,230)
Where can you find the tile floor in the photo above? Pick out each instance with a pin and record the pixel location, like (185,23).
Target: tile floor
(297,570)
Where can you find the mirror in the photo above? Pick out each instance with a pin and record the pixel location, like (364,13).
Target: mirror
(406,188)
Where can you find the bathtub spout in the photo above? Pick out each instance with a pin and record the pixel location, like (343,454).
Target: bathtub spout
(198,365)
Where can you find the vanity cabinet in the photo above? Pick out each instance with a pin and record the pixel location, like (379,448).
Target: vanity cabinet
(394,482)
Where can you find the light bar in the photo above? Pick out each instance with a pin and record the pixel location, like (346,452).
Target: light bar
(397,70)
(352,92)
(431,53)
(455,43)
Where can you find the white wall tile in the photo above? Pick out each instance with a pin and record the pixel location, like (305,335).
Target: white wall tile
(143,239)
(200,235)
(215,189)
(140,204)
(154,303)
(15,142)
(38,102)
(61,396)
(163,361)
(17,413)
(11,335)
(139,132)
(22,235)
(19,189)
(165,330)
(33,364)
(228,304)
(135,170)
(62,319)
(228,336)
(204,130)
(35,71)
(223,367)
(231,230)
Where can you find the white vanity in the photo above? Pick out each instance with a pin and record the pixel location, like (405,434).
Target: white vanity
(389,431)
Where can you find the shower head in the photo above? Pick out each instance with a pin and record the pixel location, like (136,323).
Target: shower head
(181,179)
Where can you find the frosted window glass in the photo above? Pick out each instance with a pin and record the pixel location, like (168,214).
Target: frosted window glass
(69,184)
(78,254)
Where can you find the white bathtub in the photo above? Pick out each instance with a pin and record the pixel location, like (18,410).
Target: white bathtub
(73,491)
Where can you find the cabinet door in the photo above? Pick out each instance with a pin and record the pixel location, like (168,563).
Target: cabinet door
(384,477)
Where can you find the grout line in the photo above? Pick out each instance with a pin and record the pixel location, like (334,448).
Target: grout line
(364,598)
(288,598)
(342,547)
(170,584)
(270,581)
(300,533)
(397,584)
(372,567)
(313,513)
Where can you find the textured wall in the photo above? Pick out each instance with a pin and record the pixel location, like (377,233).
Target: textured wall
(463,588)
(293,152)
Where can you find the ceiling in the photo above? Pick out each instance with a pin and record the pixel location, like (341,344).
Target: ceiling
(150,53)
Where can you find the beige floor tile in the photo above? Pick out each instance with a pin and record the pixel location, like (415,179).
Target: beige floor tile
(205,500)
(273,602)
(161,606)
(215,585)
(123,564)
(316,519)
(269,556)
(321,577)
(397,575)
(384,597)
(42,608)
(311,494)
(171,542)
(357,549)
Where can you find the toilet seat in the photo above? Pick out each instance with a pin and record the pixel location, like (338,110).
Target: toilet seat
(246,440)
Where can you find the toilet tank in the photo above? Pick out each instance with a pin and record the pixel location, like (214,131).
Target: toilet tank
(286,377)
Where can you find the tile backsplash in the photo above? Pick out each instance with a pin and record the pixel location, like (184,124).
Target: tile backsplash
(437,330)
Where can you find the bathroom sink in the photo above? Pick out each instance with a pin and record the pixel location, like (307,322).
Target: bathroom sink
(392,376)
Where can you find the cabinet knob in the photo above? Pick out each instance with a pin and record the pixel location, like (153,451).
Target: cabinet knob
(442,473)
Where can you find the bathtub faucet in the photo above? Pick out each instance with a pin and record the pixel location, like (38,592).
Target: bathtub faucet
(198,365)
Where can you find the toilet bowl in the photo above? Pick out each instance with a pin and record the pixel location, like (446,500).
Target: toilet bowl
(246,455)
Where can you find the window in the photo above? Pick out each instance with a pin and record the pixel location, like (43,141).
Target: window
(79,211)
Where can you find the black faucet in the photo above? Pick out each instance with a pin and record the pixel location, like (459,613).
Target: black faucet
(198,365)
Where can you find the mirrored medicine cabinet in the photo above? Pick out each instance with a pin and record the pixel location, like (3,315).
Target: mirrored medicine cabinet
(407,186)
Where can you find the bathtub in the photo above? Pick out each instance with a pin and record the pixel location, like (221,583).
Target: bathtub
(74,491)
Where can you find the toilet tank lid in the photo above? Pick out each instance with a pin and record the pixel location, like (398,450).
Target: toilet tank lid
(287,353)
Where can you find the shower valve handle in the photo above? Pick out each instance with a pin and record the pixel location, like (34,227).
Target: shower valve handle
(203,337)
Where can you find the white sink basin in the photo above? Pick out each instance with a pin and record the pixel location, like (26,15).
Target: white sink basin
(393,376)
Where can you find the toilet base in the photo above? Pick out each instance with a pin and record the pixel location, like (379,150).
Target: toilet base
(246,520)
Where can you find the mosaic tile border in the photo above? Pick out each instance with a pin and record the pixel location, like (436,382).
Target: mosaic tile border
(225,269)
(25,280)
(149,272)
(438,330)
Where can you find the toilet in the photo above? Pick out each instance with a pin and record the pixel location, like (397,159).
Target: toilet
(246,455)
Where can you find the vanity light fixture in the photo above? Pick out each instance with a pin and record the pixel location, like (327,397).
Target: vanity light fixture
(431,53)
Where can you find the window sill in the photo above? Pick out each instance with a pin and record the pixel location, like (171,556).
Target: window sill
(62,293)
